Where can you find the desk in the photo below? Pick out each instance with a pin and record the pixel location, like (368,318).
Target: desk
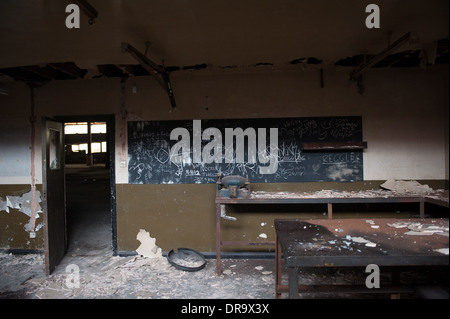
(326,197)
(337,243)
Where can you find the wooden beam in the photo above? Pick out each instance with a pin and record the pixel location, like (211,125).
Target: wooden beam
(48,72)
(69,68)
(88,10)
(357,72)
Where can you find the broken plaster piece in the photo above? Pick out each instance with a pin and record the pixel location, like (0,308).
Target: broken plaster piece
(263,235)
(360,240)
(442,251)
(402,187)
(148,246)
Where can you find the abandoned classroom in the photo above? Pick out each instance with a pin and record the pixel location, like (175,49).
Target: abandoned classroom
(140,110)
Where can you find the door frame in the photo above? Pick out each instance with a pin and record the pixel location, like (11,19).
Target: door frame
(110,120)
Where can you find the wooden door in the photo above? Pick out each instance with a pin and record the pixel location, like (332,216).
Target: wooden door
(55,238)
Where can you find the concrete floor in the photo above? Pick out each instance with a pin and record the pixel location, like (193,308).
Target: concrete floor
(88,210)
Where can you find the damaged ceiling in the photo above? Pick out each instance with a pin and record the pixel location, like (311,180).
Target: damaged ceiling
(215,35)
(70,71)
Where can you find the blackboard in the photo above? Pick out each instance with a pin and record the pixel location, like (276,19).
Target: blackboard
(265,150)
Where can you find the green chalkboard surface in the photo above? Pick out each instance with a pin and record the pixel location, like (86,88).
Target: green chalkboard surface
(265,150)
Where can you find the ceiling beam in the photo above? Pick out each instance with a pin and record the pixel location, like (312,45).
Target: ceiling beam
(48,72)
(88,10)
(69,68)
(153,69)
(359,70)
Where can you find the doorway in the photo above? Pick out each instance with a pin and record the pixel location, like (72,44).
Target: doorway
(90,185)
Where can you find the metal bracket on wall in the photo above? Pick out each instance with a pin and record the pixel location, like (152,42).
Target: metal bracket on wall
(153,69)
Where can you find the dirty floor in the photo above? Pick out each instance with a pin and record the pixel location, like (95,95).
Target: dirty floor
(112,277)
(133,277)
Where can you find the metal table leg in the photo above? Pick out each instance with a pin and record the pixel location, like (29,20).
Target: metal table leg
(218,242)
(277,268)
(293,283)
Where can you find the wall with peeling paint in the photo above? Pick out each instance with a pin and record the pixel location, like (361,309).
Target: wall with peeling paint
(405,122)
(15,218)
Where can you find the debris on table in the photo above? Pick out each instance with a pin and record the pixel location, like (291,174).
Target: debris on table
(416,228)
(401,187)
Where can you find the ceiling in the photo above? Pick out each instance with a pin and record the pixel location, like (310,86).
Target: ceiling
(36,45)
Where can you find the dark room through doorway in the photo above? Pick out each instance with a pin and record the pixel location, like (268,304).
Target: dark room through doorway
(89,186)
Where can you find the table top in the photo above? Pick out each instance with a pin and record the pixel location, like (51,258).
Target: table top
(359,242)
(439,197)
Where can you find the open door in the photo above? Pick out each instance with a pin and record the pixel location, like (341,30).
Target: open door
(55,241)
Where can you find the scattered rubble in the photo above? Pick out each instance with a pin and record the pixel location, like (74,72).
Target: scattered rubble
(403,187)
(391,188)
(133,277)
(421,229)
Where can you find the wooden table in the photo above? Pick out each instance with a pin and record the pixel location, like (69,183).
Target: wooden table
(336,243)
(334,197)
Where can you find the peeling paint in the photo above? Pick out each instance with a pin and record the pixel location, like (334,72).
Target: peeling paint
(24,204)
(3,206)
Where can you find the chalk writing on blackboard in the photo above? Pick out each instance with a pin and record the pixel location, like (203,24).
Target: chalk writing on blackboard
(266,150)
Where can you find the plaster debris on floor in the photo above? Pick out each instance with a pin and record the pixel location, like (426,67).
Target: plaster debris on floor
(137,277)
(133,277)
